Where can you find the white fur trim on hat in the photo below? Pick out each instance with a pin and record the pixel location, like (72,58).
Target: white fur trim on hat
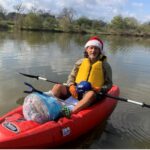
(93,43)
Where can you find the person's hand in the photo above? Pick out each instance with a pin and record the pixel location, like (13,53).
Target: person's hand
(73,91)
(96,89)
(103,90)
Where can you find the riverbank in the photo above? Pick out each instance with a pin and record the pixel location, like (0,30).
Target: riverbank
(91,32)
(57,30)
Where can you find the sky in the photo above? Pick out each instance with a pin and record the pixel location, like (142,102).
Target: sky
(93,9)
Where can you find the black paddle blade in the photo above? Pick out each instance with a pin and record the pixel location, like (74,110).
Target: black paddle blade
(27,75)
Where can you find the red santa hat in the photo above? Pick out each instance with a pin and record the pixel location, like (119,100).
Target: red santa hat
(95,41)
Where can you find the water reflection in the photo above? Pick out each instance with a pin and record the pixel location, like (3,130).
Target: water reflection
(129,129)
(53,56)
(124,44)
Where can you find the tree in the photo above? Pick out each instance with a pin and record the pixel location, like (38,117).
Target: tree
(84,22)
(65,19)
(19,19)
(50,23)
(33,21)
(98,24)
(117,23)
(19,8)
(67,13)
(11,16)
(130,23)
(145,27)
(49,20)
(2,12)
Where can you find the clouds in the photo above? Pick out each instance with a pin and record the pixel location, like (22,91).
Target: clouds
(94,9)
(140,5)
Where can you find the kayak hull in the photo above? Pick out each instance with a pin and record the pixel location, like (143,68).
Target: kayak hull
(16,132)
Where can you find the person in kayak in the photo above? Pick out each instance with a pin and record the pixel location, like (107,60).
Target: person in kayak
(94,69)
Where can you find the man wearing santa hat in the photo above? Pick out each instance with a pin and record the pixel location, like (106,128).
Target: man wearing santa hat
(89,76)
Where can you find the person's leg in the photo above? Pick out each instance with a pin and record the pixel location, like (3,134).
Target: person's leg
(59,90)
(86,101)
(62,92)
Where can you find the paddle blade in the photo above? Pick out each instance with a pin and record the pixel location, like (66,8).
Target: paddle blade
(27,75)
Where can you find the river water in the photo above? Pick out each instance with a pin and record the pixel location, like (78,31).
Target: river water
(52,55)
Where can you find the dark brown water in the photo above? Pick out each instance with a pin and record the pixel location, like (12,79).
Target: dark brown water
(53,55)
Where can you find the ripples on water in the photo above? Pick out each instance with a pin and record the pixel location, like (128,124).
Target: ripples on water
(129,129)
(53,56)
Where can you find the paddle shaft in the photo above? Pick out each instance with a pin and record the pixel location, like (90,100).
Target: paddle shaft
(40,78)
(107,95)
(127,100)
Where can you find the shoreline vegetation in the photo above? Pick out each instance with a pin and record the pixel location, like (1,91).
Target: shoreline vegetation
(65,22)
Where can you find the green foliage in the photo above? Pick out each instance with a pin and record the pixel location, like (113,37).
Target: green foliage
(117,23)
(33,21)
(2,16)
(130,23)
(11,16)
(65,24)
(98,25)
(84,22)
(3,25)
(43,20)
(65,20)
(126,26)
(145,27)
(50,23)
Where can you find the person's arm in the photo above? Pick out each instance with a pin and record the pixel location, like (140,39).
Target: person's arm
(107,76)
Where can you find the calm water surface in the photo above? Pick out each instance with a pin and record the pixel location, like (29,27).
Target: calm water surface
(53,55)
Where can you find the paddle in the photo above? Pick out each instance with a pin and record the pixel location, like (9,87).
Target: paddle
(40,78)
(126,100)
(32,89)
(102,94)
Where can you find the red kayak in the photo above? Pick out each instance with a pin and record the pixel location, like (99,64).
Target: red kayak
(16,132)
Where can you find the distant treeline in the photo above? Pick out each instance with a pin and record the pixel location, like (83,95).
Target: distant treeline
(40,20)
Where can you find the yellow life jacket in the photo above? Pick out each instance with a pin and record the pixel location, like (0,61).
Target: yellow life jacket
(91,73)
